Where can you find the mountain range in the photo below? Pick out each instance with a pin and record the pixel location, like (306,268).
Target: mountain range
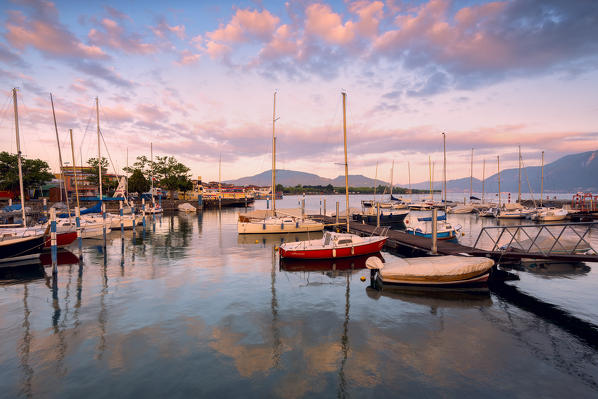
(571,173)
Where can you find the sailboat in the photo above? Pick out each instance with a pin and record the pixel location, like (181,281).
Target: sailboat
(23,243)
(516,210)
(335,245)
(273,223)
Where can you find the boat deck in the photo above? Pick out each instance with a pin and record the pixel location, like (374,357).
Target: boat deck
(411,245)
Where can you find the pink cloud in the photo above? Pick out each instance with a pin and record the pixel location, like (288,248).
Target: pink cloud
(162,30)
(111,34)
(216,50)
(246,25)
(49,37)
(283,43)
(466,39)
(186,57)
(323,22)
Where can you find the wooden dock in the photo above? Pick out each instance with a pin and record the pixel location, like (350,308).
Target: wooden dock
(411,245)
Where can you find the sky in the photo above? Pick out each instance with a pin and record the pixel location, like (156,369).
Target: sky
(197,80)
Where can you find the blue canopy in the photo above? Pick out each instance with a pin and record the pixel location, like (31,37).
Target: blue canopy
(441,217)
(97,208)
(10,208)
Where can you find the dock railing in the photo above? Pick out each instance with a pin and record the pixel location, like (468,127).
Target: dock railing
(545,239)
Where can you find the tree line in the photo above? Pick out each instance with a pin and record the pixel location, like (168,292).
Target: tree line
(167,172)
(330,189)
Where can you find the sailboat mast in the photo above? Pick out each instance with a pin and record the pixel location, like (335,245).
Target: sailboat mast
(542,181)
(152,170)
(127,177)
(375,181)
(430,172)
(19,160)
(74,167)
(444,167)
(68,208)
(471,177)
(483,180)
(346,162)
(409,175)
(274,157)
(220,178)
(99,153)
(498,164)
(392,172)
(519,191)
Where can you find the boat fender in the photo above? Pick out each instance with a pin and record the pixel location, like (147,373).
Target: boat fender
(282,225)
(264,226)
(297,224)
(352,250)
(334,253)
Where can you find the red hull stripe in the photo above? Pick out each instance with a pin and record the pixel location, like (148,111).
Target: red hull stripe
(327,253)
(62,239)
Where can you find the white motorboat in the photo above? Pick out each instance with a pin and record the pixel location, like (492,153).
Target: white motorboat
(461,209)
(187,208)
(433,271)
(550,215)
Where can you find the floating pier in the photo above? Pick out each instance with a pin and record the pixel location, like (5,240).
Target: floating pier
(411,245)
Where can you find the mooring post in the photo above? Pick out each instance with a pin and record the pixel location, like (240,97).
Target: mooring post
(122,226)
(303,207)
(267,203)
(104,224)
(199,202)
(337,212)
(324,206)
(377,214)
(78,225)
(143,212)
(434,230)
(53,243)
(45,206)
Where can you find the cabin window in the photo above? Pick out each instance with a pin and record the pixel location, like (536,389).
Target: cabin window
(345,241)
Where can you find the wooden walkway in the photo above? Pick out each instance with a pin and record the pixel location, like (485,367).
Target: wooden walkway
(411,245)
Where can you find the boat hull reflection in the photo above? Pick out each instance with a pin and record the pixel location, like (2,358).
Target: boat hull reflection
(434,297)
(313,265)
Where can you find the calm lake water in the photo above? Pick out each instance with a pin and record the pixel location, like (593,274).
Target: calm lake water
(190,308)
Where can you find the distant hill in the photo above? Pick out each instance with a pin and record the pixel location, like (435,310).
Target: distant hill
(571,173)
(293,178)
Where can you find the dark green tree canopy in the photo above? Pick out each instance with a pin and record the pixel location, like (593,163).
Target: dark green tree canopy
(138,183)
(93,177)
(35,172)
(167,172)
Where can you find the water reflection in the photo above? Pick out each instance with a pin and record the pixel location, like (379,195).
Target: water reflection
(551,270)
(434,298)
(325,265)
(137,317)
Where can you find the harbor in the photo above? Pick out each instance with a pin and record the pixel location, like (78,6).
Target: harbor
(301,199)
(204,298)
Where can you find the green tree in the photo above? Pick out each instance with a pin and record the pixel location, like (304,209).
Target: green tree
(35,172)
(93,176)
(138,183)
(167,172)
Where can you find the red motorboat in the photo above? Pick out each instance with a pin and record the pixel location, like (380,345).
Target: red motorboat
(62,239)
(333,245)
